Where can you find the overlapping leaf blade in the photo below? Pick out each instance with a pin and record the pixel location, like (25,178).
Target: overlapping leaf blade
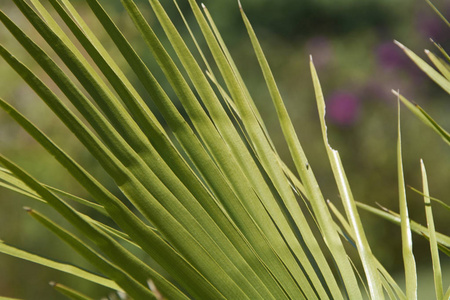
(388,282)
(221,229)
(69,292)
(440,64)
(345,192)
(424,117)
(440,202)
(146,238)
(137,272)
(137,170)
(447,293)
(294,147)
(129,285)
(408,256)
(430,71)
(116,83)
(432,232)
(15,252)
(395,218)
(230,168)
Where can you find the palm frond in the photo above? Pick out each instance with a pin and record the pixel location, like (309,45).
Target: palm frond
(216,207)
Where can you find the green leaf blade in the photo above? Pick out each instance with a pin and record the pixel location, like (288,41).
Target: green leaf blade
(430,71)
(437,273)
(69,292)
(335,246)
(407,250)
(424,117)
(129,285)
(348,201)
(66,268)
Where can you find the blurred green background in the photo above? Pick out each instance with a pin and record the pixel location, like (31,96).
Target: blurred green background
(352,45)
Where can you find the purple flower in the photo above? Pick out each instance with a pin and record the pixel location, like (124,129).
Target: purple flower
(430,25)
(390,56)
(343,108)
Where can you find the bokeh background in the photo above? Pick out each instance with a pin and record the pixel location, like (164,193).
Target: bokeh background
(358,64)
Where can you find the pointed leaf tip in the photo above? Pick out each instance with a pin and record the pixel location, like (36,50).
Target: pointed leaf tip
(310,57)
(382,207)
(27,209)
(203,6)
(427,51)
(399,44)
(396,93)
(52,283)
(240,5)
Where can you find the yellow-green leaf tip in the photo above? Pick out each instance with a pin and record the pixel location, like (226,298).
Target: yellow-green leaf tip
(399,44)
(382,207)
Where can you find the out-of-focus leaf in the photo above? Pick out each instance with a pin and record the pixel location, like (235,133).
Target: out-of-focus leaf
(438,12)
(447,293)
(444,249)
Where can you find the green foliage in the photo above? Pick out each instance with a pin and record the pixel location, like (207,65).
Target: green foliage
(215,207)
